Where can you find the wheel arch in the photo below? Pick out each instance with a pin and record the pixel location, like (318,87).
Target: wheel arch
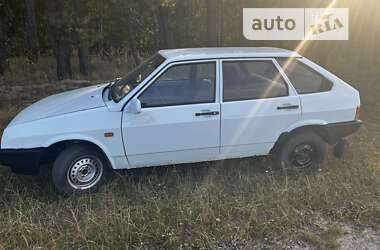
(57,146)
(317,128)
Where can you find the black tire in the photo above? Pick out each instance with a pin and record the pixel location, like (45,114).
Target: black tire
(302,152)
(87,166)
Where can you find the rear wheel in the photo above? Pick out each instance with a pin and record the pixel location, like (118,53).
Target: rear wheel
(78,169)
(301,153)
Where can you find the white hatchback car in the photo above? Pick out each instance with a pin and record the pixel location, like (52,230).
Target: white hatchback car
(187,105)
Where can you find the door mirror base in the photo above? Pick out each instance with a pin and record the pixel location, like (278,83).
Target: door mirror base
(134,106)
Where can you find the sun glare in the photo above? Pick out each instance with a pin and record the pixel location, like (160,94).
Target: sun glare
(302,45)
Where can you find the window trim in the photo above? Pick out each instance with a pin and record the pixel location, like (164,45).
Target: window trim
(173,64)
(308,68)
(286,82)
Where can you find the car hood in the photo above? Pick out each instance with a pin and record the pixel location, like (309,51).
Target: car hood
(63,103)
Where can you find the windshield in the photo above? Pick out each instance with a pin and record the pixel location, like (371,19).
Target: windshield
(122,87)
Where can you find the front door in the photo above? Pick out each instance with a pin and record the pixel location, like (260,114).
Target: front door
(180,117)
(258,105)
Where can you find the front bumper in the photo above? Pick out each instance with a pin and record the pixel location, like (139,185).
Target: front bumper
(22,161)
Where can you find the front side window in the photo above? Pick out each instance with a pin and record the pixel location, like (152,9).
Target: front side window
(182,84)
(125,85)
(249,80)
(304,79)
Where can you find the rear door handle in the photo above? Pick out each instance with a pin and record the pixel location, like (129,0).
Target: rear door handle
(207,113)
(288,107)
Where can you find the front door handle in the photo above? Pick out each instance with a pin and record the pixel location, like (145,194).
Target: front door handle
(288,107)
(207,113)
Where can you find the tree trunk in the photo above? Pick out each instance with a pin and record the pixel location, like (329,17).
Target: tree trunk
(3,52)
(220,43)
(212,34)
(81,34)
(31,28)
(156,26)
(59,35)
(3,61)
(166,33)
(62,53)
(367,39)
(63,62)
(132,36)
(376,56)
(84,57)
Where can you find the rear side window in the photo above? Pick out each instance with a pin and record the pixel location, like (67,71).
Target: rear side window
(249,80)
(304,79)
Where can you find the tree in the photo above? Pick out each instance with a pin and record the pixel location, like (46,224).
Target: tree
(166,32)
(212,33)
(31,30)
(84,57)
(155,22)
(58,22)
(368,45)
(376,56)
(3,53)
(81,35)
(12,31)
(160,21)
(131,34)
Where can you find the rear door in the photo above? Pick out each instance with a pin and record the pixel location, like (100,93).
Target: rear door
(180,117)
(323,97)
(258,104)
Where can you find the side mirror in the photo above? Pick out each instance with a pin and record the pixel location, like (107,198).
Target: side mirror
(134,106)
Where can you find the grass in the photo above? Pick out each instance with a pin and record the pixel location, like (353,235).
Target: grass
(237,204)
(232,204)
(331,235)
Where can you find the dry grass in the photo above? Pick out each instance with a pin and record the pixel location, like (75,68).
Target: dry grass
(230,204)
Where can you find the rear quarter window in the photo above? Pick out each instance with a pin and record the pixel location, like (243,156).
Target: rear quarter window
(304,79)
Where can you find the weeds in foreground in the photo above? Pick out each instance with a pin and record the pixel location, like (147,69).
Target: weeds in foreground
(236,204)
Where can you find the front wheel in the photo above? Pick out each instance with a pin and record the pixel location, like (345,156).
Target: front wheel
(78,169)
(301,153)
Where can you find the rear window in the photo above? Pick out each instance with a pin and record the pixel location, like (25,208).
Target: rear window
(304,79)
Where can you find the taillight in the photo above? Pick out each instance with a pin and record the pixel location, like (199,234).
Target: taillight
(357,113)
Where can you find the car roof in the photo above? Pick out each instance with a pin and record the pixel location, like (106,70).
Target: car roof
(225,52)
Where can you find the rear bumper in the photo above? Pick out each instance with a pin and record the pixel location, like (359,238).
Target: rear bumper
(22,161)
(337,131)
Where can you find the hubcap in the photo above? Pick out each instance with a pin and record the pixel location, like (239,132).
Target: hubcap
(302,156)
(85,173)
